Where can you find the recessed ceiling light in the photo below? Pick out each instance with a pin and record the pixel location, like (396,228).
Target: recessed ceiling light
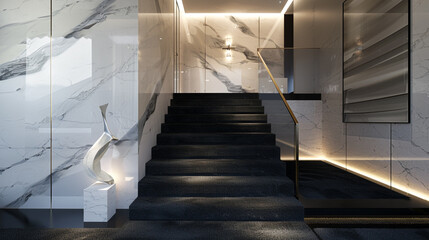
(284,10)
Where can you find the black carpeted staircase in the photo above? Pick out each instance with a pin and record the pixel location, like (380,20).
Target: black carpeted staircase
(216,165)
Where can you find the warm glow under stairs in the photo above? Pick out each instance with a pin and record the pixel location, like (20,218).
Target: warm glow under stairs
(216,170)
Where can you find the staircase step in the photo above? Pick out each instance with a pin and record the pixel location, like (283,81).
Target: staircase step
(216,151)
(215,109)
(215,186)
(214,127)
(215,167)
(210,230)
(216,96)
(216,138)
(217,209)
(216,118)
(216,163)
(216,102)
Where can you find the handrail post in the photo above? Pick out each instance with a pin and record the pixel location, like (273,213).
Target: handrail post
(296,140)
(296,124)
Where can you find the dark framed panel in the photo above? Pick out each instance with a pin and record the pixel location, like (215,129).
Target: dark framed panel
(376,61)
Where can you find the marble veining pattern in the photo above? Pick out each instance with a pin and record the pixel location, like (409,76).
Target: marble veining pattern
(410,142)
(99,202)
(407,145)
(155,72)
(192,54)
(92,54)
(309,117)
(230,72)
(368,148)
(108,74)
(205,67)
(25,109)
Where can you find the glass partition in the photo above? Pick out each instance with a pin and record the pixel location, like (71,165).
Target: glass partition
(25,104)
(283,73)
(273,84)
(358,182)
(58,63)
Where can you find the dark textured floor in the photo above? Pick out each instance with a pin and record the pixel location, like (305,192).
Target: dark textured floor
(56,218)
(216,230)
(319,180)
(372,234)
(173,230)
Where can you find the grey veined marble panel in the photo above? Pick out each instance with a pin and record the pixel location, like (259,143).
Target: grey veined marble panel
(376,61)
(24,108)
(193,54)
(205,66)
(95,61)
(238,73)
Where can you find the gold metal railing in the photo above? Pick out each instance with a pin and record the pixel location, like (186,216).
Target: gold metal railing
(295,120)
(278,89)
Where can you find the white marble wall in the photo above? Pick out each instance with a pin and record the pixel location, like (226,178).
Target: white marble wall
(309,115)
(306,74)
(156,70)
(391,153)
(410,144)
(94,61)
(192,54)
(204,66)
(328,30)
(368,149)
(24,108)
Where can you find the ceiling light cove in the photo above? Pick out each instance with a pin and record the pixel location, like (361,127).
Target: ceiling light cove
(234,7)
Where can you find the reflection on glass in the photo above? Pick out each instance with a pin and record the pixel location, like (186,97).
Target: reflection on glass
(376,59)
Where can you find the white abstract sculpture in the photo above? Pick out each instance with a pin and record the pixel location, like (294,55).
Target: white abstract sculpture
(95,153)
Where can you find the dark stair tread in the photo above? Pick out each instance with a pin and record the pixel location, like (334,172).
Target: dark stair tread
(215,127)
(215,186)
(215,167)
(216,160)
(216,151)
(215,109)
(216,118)
(210,230)
(215,96)
(216,102)
(217,209)
(232,138)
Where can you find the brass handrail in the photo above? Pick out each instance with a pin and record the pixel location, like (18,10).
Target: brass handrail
(278,89)
(295,120)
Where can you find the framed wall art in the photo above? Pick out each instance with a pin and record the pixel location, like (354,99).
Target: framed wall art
(376,61)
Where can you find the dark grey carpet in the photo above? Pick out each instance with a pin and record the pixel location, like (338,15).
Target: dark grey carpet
(372,234)
(174,230)
(217,230)
(319,180)
(57,234)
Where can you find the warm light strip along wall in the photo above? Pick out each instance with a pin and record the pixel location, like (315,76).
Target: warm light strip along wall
(232,14)
(380,180)
(284,10)
(370,176)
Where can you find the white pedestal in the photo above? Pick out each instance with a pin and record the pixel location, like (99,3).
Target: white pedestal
(99,202)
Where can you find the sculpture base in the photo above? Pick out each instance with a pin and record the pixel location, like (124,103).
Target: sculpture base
(99,202)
